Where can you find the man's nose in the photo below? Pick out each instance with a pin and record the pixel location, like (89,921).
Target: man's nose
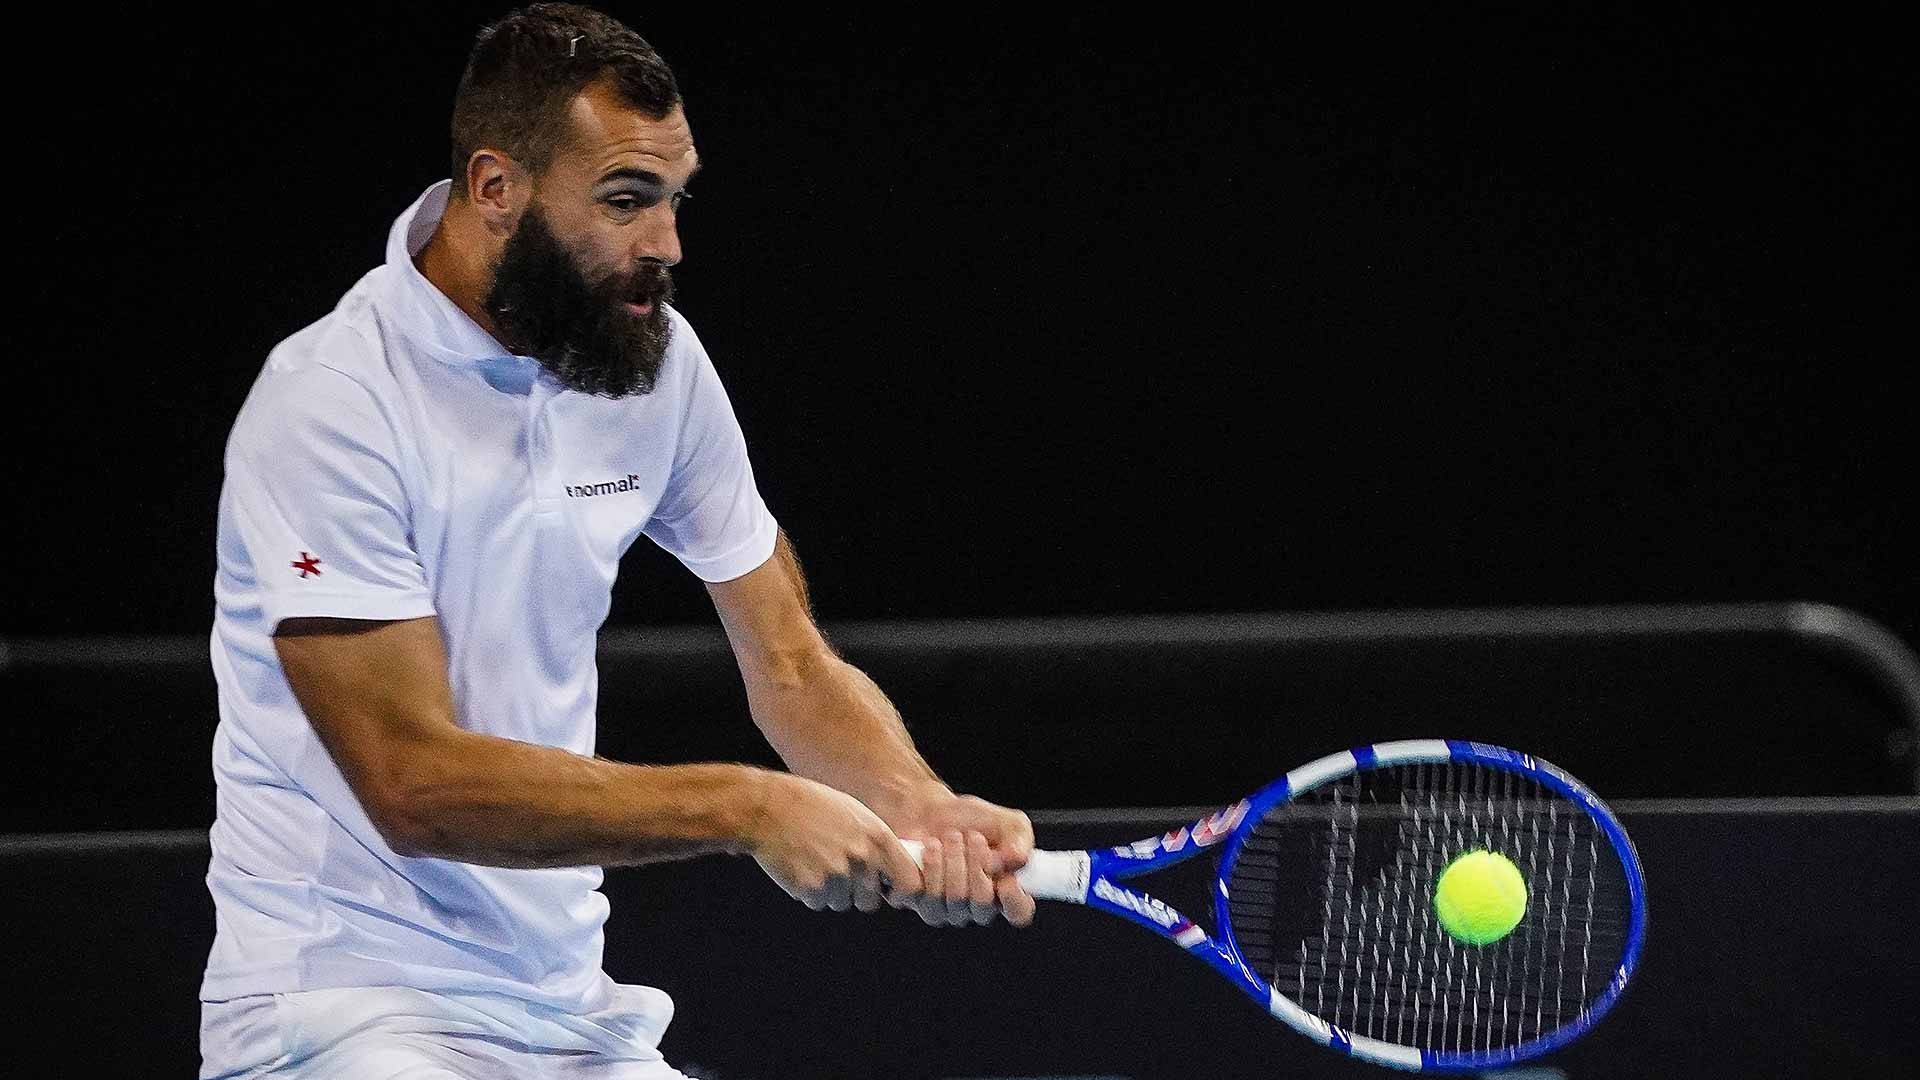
(658,238)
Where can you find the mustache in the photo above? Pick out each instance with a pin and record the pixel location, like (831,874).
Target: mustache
(650,283)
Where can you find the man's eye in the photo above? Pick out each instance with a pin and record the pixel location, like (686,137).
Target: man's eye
(628,204)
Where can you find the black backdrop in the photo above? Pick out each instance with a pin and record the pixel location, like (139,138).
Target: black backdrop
(1030,313)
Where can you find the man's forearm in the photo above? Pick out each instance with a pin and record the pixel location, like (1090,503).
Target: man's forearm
(481,799)
(830,722)
(825,718)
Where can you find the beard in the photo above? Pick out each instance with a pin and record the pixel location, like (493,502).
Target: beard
(580,330)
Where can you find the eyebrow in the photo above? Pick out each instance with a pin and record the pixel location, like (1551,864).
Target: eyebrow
(628,172)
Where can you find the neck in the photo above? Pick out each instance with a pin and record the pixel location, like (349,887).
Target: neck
(457,268)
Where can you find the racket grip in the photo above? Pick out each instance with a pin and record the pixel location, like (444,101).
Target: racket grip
(1048,875)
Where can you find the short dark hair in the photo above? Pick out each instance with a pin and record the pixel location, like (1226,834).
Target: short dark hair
(527,66)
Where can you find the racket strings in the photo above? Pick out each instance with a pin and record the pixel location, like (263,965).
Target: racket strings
(1354,939)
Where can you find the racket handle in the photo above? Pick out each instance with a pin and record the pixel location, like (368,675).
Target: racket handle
(1048,875)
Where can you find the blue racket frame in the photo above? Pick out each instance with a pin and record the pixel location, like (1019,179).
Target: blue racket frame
(1107,867)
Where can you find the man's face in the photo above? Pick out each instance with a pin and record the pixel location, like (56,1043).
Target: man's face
(582,283)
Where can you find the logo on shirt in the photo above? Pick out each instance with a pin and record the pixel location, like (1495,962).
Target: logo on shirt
(307,564)
(629,482)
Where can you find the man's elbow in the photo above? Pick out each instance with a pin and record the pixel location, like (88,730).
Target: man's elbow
(399,821)
(406,815)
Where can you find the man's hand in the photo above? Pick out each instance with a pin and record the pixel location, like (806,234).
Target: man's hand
(972,849)
(826,849)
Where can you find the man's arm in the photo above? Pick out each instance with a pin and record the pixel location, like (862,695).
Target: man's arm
(828,721)
(378,696)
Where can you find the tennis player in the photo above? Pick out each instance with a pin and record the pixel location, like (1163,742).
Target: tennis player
(427,495)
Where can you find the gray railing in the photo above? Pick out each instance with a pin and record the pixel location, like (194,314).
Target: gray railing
(1862,644)
(1117,823)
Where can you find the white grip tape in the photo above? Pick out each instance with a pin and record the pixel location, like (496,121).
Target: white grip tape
(1048,875)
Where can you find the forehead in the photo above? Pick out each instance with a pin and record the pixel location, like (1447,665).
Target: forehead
(604,132)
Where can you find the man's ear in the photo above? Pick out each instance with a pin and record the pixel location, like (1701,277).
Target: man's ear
(497,189)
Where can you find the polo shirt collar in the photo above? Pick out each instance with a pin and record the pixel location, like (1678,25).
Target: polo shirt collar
(428,317)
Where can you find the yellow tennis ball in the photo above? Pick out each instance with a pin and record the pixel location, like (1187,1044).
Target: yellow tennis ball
(1480,897)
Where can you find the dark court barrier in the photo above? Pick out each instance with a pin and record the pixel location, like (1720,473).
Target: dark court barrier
(1729,700)
(1782,943)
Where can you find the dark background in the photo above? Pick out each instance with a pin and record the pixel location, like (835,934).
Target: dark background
(1028,313)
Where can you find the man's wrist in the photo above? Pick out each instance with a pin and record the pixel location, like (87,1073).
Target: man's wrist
(756,803)
(901,801)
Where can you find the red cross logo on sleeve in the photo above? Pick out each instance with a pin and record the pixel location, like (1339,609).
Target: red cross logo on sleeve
(307,564)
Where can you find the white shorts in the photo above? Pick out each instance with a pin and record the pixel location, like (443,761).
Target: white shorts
(397,1033)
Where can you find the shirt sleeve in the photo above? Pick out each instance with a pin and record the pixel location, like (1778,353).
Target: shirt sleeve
(313,494)
(711,516)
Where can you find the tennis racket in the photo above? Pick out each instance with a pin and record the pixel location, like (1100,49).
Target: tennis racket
(1323,902)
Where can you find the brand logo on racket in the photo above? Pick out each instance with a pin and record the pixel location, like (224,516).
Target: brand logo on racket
(1145,906)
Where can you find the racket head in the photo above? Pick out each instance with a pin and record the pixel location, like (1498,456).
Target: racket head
(1413,997)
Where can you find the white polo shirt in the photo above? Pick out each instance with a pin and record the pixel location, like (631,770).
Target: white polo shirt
(394,461)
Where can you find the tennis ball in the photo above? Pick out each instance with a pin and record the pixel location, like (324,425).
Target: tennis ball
(1480,897)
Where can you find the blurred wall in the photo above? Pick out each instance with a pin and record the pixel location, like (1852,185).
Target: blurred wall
(1054,314)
